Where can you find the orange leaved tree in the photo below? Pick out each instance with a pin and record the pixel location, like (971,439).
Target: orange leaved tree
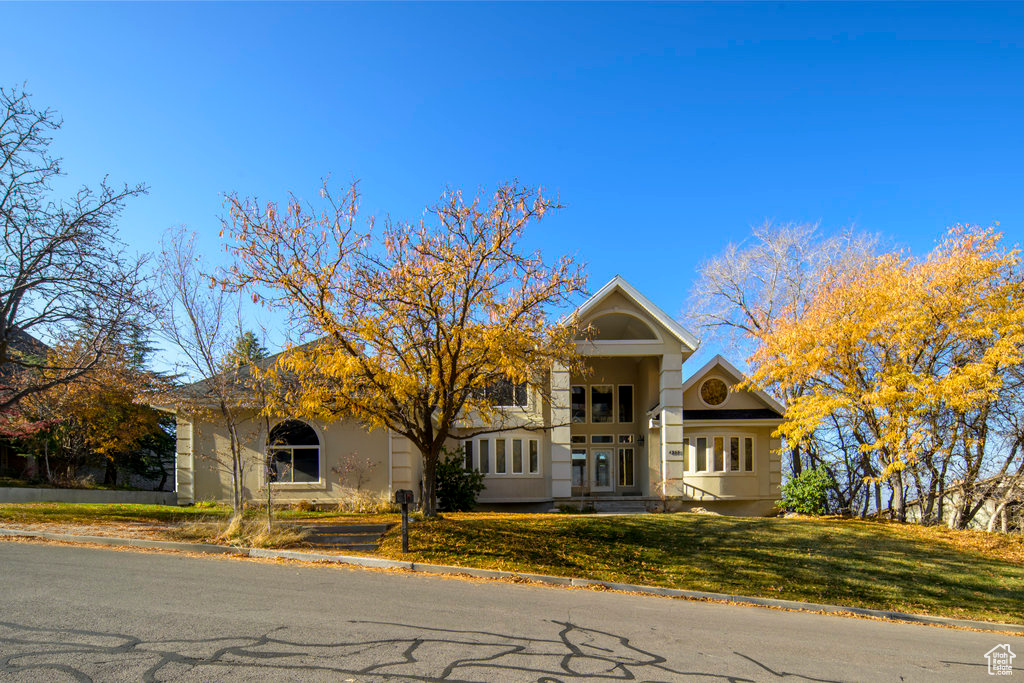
(412,330)
(913,353)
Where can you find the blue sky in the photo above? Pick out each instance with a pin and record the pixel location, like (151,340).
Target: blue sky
(667,130)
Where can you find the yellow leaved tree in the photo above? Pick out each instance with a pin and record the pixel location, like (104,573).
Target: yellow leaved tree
(414,330)
(909,354)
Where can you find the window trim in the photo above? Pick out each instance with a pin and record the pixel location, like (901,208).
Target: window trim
(690,453)
(611,409)
(620,449)
(586,404)
(515,385)
(700,390)
(618,404)
(320,483)
(509,438)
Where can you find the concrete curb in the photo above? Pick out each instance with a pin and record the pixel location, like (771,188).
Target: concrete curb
(382,563)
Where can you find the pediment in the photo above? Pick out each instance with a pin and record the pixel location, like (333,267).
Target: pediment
(618,312)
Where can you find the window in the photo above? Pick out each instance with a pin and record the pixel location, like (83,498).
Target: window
(714,392)
(578,404)
(602,468)
(499,456)
(719,454)
(293,451)
(506,394)
(728,454)
(516,455)
(625,403)
(579,467)
(601,438)
(600,403)
(625,438)
(579,438)
(626,466)
(485,456)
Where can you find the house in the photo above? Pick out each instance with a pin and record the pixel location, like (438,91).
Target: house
(629,434)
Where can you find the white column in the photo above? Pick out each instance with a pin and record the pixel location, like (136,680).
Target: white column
(671,386)
(184,470)
(561,474)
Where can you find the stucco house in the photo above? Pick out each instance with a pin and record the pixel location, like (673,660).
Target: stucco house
(630,434)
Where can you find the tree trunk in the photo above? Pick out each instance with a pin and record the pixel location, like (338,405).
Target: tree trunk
(795,461)
(430,484)
(899,497)
(110,474)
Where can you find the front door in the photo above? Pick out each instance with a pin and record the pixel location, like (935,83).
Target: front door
(602,458)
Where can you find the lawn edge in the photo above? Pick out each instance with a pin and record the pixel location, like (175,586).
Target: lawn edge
(474,572)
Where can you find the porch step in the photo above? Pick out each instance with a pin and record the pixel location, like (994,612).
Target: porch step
(365,537)
(626,507)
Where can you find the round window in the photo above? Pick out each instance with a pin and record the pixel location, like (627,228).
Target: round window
(714,392)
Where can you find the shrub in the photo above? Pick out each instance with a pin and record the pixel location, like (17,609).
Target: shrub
(457,488)
(807,492)
(366,502)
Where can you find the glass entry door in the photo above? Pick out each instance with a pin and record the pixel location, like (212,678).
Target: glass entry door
(602,458)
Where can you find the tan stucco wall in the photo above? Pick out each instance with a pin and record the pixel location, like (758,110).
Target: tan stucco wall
(738,399)
(339,443)
(762,483)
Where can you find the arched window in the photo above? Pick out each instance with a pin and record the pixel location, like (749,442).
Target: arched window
(294,452)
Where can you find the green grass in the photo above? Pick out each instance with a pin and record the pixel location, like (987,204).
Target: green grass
(848,562)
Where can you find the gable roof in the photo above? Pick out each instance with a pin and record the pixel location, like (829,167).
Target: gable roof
(720,361)
(618,283)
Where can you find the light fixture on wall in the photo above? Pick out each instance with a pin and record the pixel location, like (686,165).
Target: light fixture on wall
(640,440)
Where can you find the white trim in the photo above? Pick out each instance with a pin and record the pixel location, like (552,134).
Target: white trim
(610,449)
(319,484)
(492,454)
(728,392)
(765,422)
(631,292)
(617,310)
(618,403)
(690,450)
(611,408)
(738,376)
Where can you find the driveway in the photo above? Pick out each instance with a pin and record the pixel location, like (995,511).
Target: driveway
(74,613)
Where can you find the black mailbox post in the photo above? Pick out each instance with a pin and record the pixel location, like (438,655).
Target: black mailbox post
(404,497)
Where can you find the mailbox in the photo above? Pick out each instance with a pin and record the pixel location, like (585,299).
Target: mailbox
(403,497)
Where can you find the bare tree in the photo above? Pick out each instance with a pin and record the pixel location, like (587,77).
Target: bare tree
(62,269)
(740,296)
(198,320)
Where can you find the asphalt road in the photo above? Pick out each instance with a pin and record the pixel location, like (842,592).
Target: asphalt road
(72,613)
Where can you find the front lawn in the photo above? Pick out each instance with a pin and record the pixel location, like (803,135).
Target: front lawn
(877,565)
